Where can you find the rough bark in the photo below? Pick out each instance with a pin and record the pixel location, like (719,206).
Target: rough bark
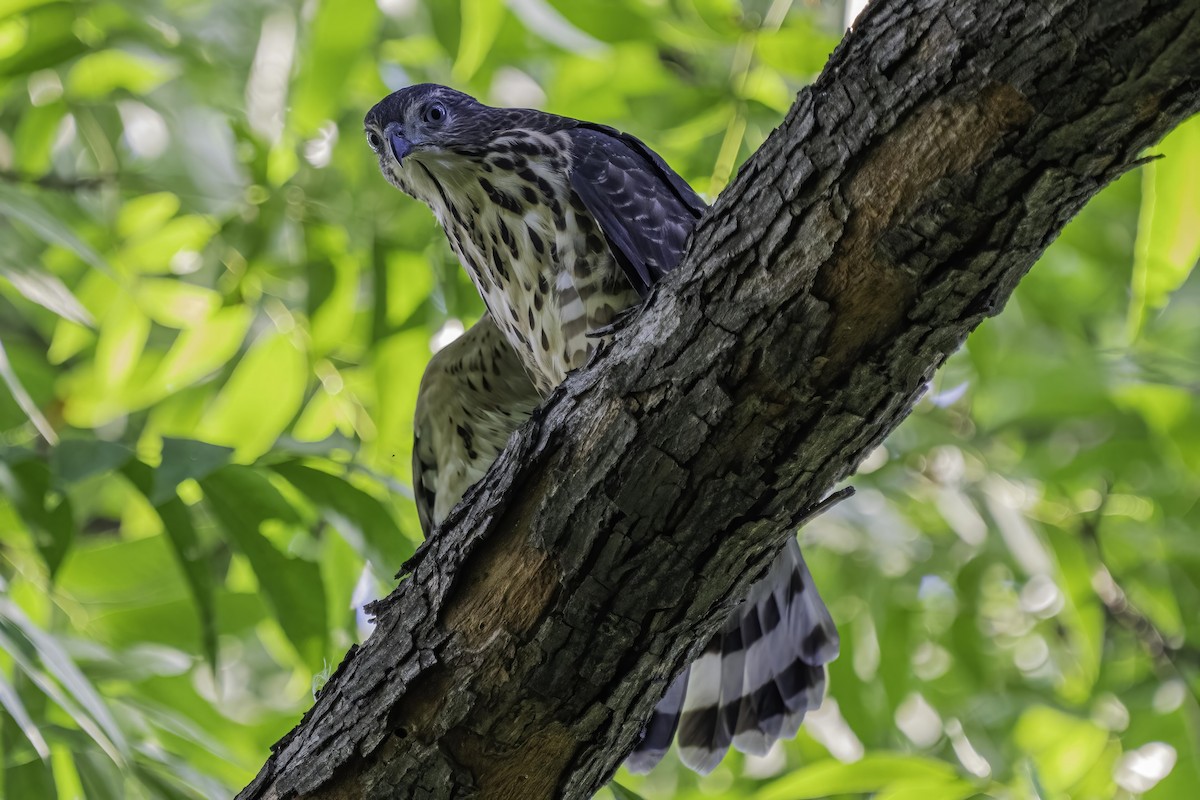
(905,195)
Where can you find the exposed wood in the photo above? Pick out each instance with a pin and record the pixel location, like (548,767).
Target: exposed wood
(905,195)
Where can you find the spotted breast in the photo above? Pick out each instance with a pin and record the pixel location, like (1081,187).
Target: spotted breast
(532,249)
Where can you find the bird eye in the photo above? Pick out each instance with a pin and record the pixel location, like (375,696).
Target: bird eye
(435,113)
(374,141)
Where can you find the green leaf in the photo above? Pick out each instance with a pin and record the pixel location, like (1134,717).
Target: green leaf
(1081,620)
(49,292)
(243,500)
(92,713)
(481,20)
(176,780)
(34,137)
(176,304)
(152,252)
(28,209)
(193,560)
(798,48)
(16,709)
(332,318)
(23,399)
(1064,748)
(876,772)
(894,623)
(30,779)
(1164,408)
(399,362)
(46,512)
(409,281)
(49,40)
(100,778)
(1168,238)
(124,332)
(175,623)
(260,398)
(184,459)
(178,525)
(363,521)
(10,7)
(76,459)
(200,350)
(342,32)
(101,73)
(936,789)
(603,19)
(141,215)
(619,792)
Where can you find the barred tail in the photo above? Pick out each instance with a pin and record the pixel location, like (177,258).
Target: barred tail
(656,739)
(756,678)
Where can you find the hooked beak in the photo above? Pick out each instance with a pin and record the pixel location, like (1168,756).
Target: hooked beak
(396,141)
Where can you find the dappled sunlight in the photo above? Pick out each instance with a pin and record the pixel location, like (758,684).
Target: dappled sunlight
(215,314)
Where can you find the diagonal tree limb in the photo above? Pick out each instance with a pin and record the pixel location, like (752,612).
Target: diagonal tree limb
(904,196)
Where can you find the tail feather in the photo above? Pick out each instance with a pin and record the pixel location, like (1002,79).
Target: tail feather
(767,658)
(757,677)
(809,622)
(747,736)
(733,677)
(702,743)
(656,740)
(802,686)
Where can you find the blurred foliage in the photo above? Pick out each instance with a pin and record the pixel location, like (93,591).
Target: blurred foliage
(214,314)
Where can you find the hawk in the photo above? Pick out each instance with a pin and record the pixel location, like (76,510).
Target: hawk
(473,395)
(561,225)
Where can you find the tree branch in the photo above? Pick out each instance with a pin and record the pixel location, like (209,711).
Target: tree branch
(904,196)
(58,183)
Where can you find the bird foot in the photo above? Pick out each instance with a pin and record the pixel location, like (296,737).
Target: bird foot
(622,319)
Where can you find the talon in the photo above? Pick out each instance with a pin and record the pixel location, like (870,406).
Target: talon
(618,322)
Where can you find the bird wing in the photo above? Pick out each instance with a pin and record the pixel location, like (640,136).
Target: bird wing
(644,208)
(473,395)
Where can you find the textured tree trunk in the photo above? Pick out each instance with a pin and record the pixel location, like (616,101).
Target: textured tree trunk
(907,192)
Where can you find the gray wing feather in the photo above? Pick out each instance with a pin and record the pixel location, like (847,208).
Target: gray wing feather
(646,211)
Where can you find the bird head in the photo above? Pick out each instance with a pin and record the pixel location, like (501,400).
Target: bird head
(428,130)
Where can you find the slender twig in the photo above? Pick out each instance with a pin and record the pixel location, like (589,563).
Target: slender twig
(1121,610)
(59,183)
(1169,659)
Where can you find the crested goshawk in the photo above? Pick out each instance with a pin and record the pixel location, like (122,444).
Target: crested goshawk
(562,224)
